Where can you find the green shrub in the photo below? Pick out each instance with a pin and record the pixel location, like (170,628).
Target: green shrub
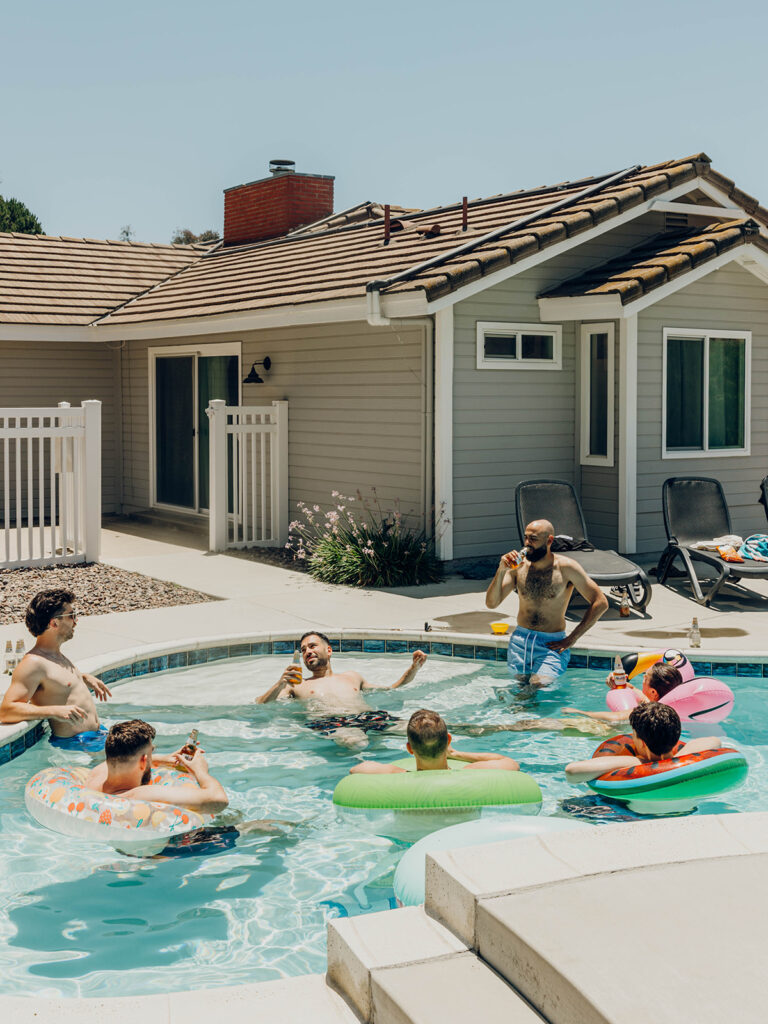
(358,545)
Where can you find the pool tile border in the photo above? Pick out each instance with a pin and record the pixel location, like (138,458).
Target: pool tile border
(152,658)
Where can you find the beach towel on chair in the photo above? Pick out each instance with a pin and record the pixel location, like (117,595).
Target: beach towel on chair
(755,547)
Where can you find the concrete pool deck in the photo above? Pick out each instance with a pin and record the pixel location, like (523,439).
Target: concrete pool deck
(514,931)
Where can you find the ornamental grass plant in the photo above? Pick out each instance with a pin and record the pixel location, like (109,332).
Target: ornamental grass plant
(358,544)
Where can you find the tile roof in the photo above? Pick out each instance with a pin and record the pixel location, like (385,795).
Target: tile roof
(661,259)
(338,264)
(50,280)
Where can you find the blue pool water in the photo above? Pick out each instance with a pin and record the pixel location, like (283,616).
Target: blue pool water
(76,918)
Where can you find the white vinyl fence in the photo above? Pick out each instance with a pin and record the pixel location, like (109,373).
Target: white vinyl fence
(249,475)
(50,485)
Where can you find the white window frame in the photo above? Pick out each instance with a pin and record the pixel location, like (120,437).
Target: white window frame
(587,330)
(491,327)
(705,333)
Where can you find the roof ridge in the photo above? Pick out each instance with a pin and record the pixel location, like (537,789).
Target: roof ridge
(177,246)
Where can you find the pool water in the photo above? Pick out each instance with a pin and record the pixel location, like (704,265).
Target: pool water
(77,918)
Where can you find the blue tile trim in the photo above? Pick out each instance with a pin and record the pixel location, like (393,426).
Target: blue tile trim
(140,668)
(373,646)
(351,645)
(501,653)
(198,657)
(485,653)
(724,668)
(701,668)
(5,753)
(599,662)
(442,648)
(122,672)
(463,650)
(420,645)
(397,646)
(178,660)
(261,647)
(218,653)
(109,677)
(750,668)
(283,647)
(159,664)
(578,661)
(239,650)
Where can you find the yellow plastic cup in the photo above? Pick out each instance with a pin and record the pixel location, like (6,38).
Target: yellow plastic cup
(499,627)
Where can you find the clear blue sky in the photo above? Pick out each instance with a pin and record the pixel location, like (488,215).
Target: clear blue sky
(142,112)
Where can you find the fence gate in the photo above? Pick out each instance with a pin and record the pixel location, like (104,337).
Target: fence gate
(248,503)
(50,485)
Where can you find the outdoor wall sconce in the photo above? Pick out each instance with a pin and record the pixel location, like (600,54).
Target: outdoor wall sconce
(253,377)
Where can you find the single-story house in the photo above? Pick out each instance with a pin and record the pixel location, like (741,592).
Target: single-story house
(611,331)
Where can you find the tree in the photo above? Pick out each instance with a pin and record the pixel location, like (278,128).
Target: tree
(183,236)
(14,216)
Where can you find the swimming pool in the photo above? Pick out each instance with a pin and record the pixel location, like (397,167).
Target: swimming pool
(79,919)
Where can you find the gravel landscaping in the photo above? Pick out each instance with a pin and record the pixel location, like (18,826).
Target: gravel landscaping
(99,589)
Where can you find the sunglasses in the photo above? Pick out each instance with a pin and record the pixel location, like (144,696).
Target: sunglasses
(69,615)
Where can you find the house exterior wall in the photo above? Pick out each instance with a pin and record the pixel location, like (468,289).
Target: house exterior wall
(356,399)
(513,425)
(42,374)
(728,299)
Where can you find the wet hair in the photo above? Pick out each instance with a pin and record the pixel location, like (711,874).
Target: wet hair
(43,607)
(664,678)
(126,739)
(314,632)
(657,725)
(427,734)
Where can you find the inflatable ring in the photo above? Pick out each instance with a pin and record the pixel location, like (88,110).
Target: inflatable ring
(411,804)
(674,783)
(409,874)
(58,799)
(696,699)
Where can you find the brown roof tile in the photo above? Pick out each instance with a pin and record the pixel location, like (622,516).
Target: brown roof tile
(663,258)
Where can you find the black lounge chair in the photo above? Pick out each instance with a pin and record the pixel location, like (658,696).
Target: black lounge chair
(556,500)
(695,509)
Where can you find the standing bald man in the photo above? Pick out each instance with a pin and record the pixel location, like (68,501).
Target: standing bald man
(539,649)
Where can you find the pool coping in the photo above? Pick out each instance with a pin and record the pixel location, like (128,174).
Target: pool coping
(146,659)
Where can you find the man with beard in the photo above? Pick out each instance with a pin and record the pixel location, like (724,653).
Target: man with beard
(128,769)
(335,699)
(539,648)
(46,684)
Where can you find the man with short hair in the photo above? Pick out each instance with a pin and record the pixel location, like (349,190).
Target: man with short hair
(127,770)
(658,681)
(45,683)
(539,649)
(430,744)
(336,697)
(655,736)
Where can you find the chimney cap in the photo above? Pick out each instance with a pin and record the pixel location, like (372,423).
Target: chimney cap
(282,166)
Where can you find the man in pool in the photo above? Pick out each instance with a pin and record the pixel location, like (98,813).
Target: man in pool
(539,648)
(658,681)
(335,698)
(655,736)
(430,743)
(45,683)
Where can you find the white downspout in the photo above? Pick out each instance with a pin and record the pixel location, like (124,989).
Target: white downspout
(444,431)
(628,435)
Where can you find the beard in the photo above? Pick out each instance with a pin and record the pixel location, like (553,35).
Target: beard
(535,554)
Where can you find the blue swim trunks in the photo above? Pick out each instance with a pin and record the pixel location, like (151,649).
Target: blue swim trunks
(528,654)
(92,742)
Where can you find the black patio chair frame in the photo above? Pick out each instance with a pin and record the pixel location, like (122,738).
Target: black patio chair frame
(680,536)
(615,572)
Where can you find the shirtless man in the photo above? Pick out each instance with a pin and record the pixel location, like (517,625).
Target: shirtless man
(335,698)
(539,648)
(45,683)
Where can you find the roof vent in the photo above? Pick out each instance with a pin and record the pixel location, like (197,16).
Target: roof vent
(675,221)
(282,166)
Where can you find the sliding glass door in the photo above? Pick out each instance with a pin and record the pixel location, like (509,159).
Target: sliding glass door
(184,384)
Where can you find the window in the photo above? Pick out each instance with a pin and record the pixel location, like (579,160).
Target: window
(597,380)
(503,346)
(706,393)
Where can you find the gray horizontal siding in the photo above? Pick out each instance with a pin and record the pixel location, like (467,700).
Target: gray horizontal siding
(511,426)
(46,373)
(728,299)
(356,410)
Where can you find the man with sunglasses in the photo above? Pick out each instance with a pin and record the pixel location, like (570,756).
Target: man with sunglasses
(45,683)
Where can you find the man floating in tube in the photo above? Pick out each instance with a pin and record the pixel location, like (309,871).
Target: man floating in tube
(539,648)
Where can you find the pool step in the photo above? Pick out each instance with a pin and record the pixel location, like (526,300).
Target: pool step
(403,967)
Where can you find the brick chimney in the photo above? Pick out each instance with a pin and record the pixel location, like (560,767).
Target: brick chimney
(271,207)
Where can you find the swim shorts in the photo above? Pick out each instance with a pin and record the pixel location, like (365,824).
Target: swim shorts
(201,842)
(368,721)
(92,742)
(528,654)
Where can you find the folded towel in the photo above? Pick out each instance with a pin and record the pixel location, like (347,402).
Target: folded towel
(730,540)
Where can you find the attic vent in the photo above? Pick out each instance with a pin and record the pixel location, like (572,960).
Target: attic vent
(675,221)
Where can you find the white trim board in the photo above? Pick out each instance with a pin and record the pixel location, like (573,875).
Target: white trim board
(585,459)
(510,329)
(628,435)
(443,425)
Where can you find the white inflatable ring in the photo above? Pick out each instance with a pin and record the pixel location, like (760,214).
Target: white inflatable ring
(58,799)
